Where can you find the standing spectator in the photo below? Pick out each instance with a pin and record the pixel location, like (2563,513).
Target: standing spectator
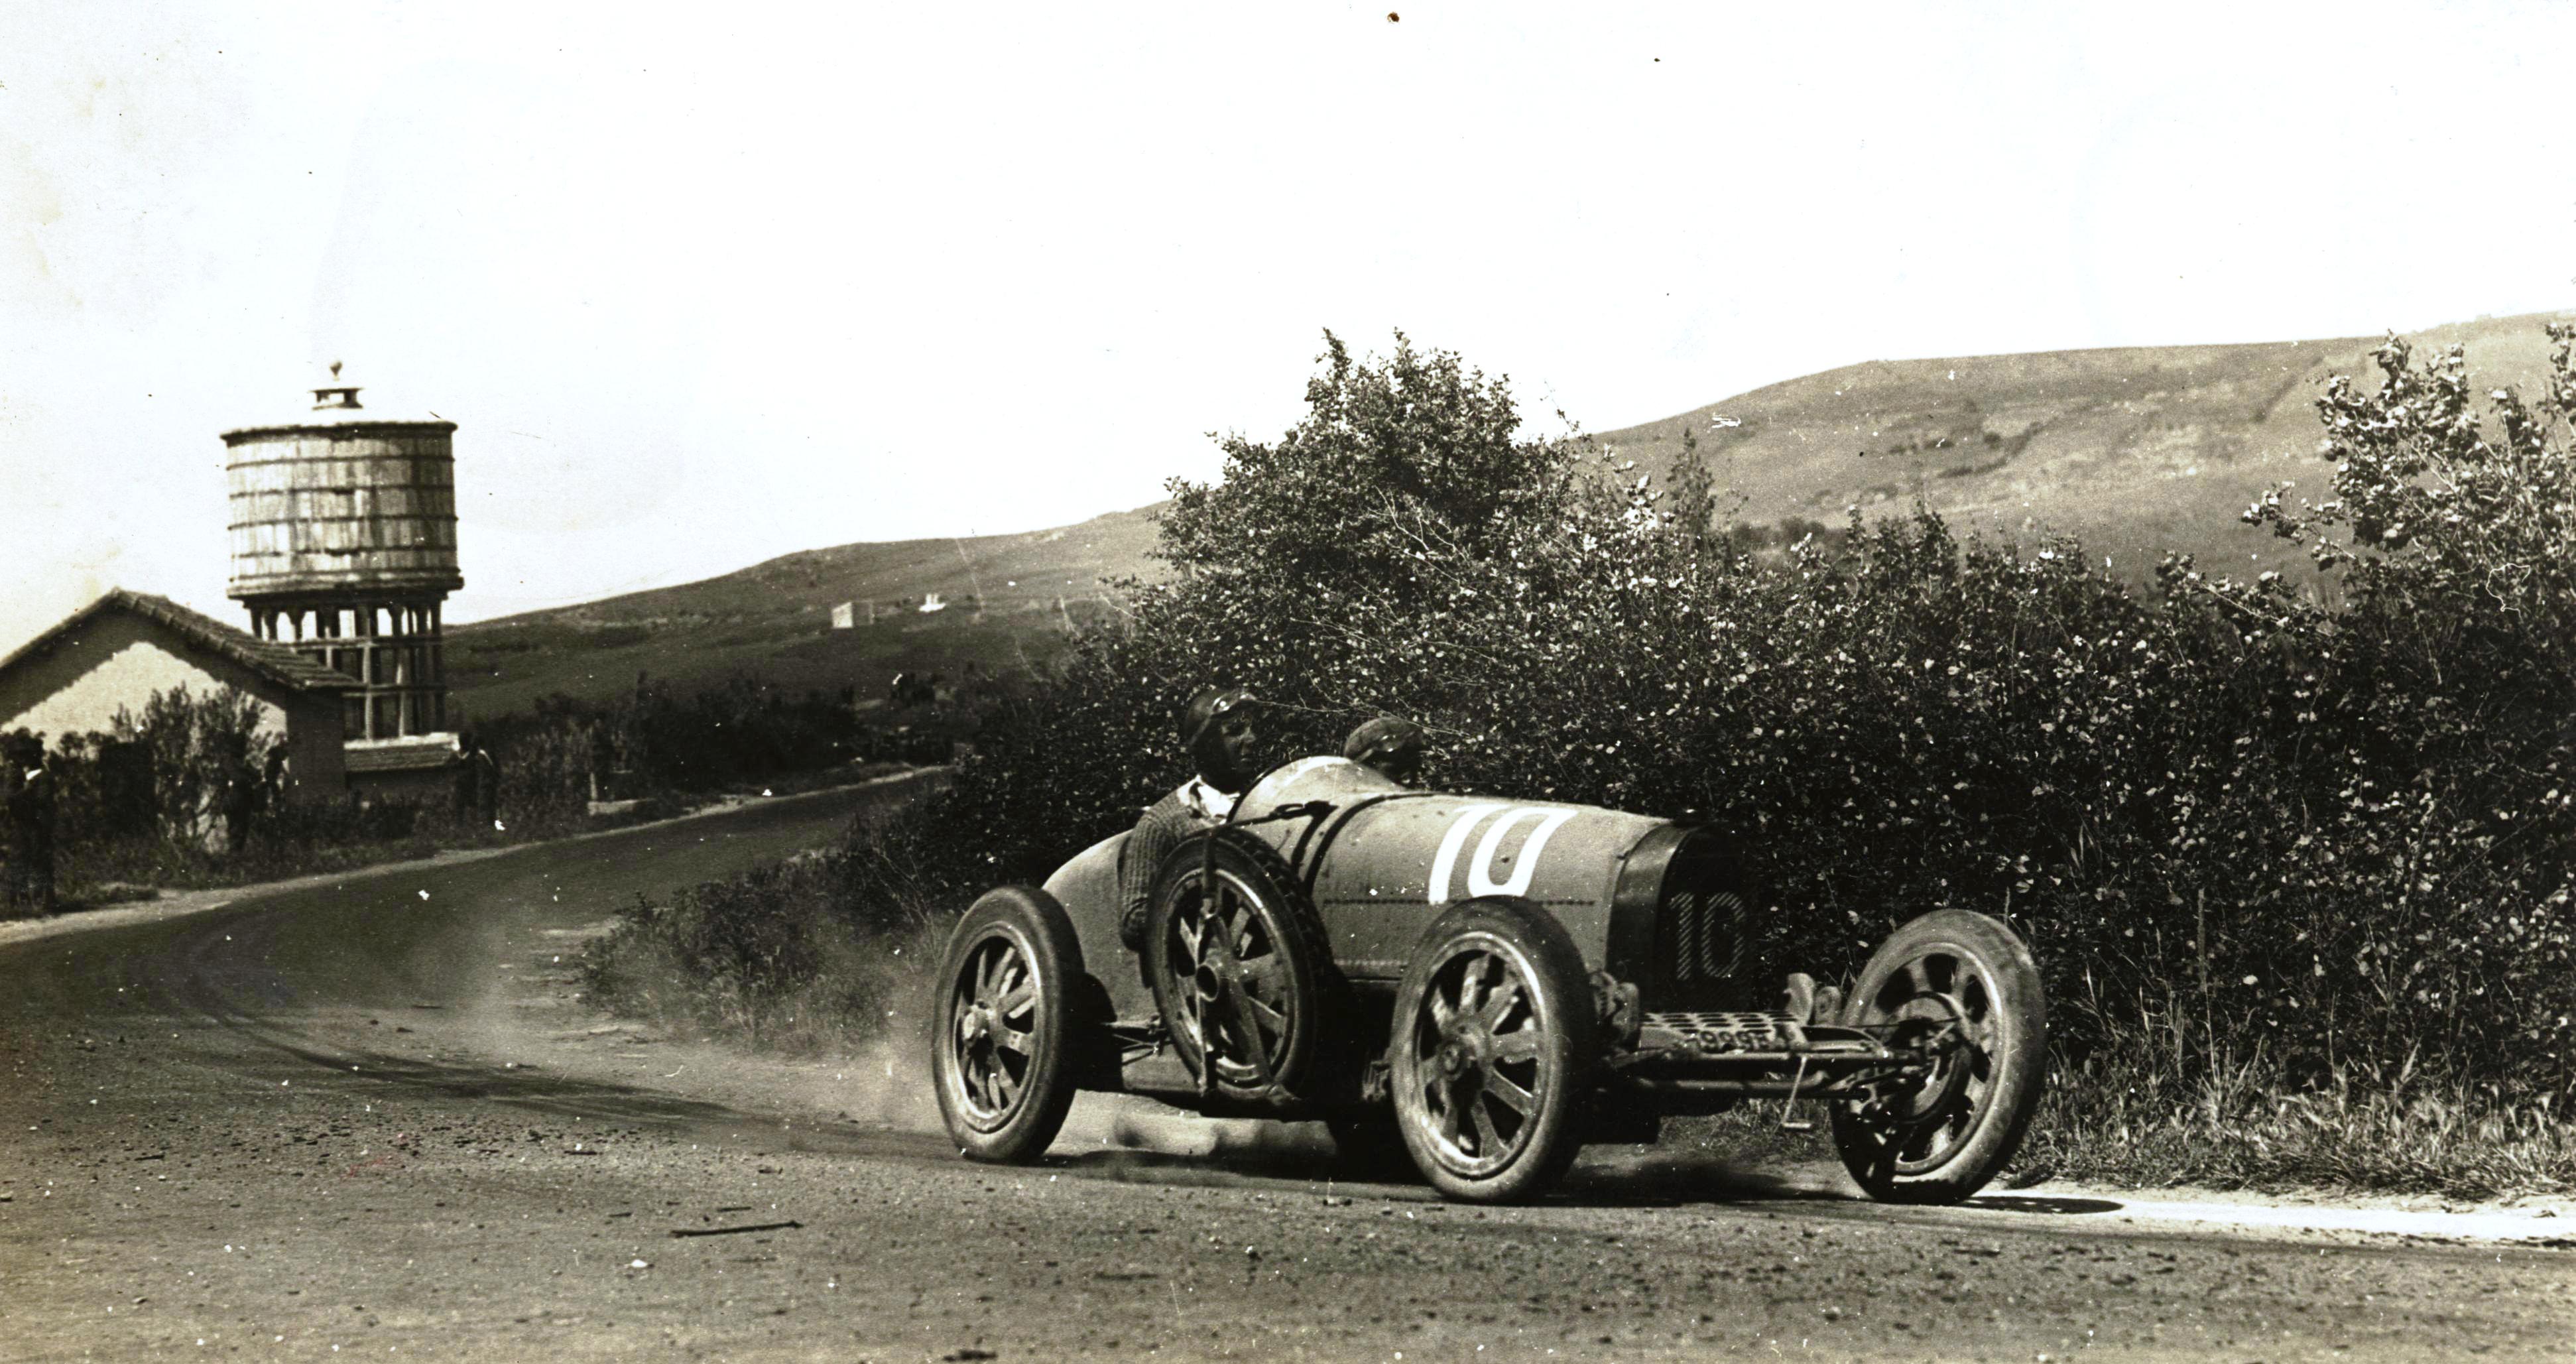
(237,794)
(31,826)
(460,769)
(13,778)
(277,776)
(486,776)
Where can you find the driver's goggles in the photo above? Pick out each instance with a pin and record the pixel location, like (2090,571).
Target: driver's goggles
(1237,699)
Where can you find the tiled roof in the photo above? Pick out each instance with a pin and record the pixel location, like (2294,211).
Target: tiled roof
(399,755)
(276,662)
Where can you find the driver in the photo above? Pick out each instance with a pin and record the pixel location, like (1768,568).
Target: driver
(1218,734)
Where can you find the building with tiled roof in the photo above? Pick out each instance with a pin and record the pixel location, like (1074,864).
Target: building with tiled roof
(114,653)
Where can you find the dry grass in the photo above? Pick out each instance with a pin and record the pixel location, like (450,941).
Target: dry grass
(2134,1122)
(2240,1126)
(871,986)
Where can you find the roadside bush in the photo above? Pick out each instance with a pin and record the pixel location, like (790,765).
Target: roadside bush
(777,954)
(2336,833)
(656,740)
(194,747)
(147,802)
(2319,844)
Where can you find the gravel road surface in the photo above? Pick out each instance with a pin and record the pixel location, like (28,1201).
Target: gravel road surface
(369,1118)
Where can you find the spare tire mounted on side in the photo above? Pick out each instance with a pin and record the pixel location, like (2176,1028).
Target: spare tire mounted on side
(1240,969)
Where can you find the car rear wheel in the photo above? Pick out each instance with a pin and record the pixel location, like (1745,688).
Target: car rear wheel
(1962,989)
(1493,1042)
(1240,969)
(1002,1059)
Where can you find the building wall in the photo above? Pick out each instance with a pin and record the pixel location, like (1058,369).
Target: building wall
(313,752)
(431,789)
(118,659)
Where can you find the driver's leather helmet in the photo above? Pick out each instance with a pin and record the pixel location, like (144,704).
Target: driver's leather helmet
(1216,732)
(1393,746)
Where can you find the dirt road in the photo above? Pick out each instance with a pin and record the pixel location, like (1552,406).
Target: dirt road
(370,1119)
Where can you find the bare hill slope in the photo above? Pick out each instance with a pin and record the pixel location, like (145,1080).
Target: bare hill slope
(2138,451)
(1006,599)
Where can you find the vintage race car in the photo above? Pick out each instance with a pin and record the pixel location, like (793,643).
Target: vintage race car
(1476,984)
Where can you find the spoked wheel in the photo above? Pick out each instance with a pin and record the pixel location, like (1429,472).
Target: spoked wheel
(1962,990)
(1494,1038)
(1240,970)
(1002,1059)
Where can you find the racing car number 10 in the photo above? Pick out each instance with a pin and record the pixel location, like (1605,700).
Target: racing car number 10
(1481,881)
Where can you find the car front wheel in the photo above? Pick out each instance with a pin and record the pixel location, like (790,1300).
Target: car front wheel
(1493,1042)
(1959,990)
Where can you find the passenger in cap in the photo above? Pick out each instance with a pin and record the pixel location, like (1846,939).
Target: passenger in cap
(1394,747)
(1217,731)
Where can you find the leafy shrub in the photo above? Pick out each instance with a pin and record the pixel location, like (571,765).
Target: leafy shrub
(2297,864)
(779,953)
(2228,814)
(193,747)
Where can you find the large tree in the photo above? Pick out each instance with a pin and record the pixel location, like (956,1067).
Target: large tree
(1395,459)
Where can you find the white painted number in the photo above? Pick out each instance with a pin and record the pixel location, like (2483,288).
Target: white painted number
(1480,872)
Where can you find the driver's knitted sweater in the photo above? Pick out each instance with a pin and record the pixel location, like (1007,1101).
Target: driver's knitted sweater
(1194,806)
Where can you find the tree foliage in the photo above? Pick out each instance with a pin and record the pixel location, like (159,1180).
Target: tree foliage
(1394,458)
(195,744)
(2234,818)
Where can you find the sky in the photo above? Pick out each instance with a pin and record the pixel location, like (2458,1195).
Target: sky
(706,284)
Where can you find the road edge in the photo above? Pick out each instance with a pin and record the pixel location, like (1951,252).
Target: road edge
(181,904)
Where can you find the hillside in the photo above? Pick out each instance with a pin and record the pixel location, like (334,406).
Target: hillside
(2136,450)
(1008,598)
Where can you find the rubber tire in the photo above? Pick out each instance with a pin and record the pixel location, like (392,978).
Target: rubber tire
(1032,924)
(1569,1045)
(2017,1074)
(1314,989)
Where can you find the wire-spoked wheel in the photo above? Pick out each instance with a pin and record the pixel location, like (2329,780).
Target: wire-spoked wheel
(1961,990)
(1002,1059)
(1494,1037)
(1240,970)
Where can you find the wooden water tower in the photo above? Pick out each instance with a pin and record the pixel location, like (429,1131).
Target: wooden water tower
(343,533)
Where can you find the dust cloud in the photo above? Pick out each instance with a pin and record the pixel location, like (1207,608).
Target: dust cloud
(856,1044)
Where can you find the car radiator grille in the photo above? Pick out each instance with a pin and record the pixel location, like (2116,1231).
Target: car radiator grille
(1699,937)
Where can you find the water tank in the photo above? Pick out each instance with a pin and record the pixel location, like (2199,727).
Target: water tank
(342,499)
(343,533)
